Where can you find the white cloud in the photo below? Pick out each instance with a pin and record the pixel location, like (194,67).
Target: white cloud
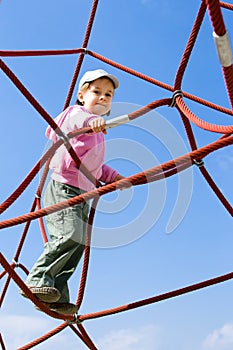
(225,162)
(220,339)
(18,330)
(131,339)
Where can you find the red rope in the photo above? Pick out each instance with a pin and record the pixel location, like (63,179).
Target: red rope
(201,123)
(216,16)
(81,57)
(38,199)
(154,174)
(11,199)
(228,76)
(83,279)
(84,336)
(121,67)
(226,5)
(2,343)
(203,170)
(189,47)
(44,337)
(27,291)
(220,29)
(158,298)
(134,179)
(49,120)
(22,53)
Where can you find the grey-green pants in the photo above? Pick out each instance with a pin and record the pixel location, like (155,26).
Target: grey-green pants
(67,230)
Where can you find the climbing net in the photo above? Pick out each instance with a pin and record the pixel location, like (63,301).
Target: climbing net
(167,169)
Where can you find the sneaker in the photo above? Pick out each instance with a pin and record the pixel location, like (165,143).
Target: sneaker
(63,308)
(45,294)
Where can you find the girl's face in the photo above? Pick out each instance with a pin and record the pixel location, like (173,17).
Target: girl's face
(98,98)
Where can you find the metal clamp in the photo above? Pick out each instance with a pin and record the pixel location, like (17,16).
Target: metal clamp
(198,163)
(64,138)
(122,119)
(85,51)
(16,263)
(175,95)
(74,321)
(223,46)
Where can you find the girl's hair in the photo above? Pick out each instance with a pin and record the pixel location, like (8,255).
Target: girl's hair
(85,87)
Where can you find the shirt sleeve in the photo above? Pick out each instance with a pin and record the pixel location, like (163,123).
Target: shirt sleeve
(108,174)
(80,118)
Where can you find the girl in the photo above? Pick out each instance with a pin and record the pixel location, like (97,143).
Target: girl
(48,278)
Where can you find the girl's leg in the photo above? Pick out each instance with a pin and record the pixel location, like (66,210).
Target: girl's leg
(67,231)
(62,278)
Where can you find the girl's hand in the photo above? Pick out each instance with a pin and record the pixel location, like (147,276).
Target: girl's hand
(98,125)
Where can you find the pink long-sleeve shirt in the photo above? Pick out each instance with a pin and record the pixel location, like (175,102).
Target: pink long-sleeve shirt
(90,149)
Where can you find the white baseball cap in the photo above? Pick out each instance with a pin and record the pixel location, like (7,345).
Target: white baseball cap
(96,74)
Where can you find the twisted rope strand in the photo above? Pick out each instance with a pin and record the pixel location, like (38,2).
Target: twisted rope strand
(158,298)
(154,174)
(81,57)
(199,153)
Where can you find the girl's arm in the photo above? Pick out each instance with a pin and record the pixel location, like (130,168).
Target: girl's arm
(118,177)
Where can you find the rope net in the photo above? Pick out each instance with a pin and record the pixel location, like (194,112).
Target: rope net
(196,155)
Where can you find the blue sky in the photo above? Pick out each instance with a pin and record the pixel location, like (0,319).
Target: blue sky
(147,240)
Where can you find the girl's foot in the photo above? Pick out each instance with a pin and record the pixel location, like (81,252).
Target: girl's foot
(45,294)
(61,308)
